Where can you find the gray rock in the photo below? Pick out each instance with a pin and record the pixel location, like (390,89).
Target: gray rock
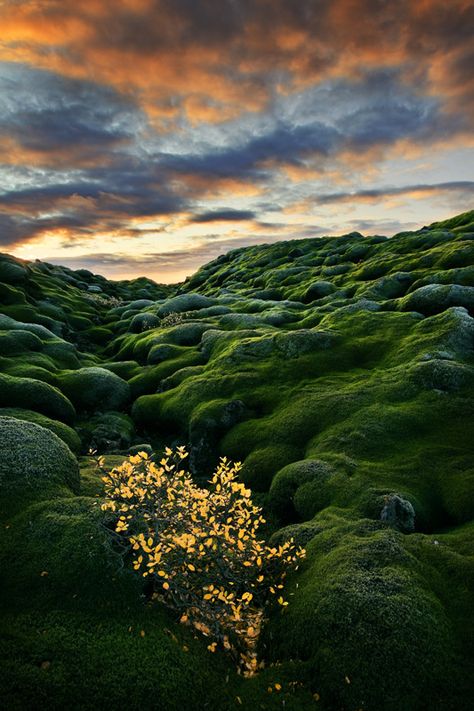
(398,513)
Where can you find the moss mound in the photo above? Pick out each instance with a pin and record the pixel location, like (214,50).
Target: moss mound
(23,392)
(67,434)
(95,388)
(33,458)
(368,625)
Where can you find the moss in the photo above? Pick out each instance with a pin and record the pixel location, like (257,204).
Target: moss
(457,490)
(7,323)
(260,466)
(185,302)
(372,631)
(208,423)
(11,271)
(161,352)
(106,432)
(18,342)
(11,295)
(164,669)
(33,459)
(185,334)
(125,369)
(301,533)
(64,354)
(434,298)
(67,540)
(144,322)
(67,434)
(300,489)
(25,392)
(372,380)
(318,290)
(30,368)
(150,379)
(95,389)
(98,335)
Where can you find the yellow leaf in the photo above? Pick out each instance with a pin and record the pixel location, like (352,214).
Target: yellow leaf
(166,586)
(142,633)
(278,687)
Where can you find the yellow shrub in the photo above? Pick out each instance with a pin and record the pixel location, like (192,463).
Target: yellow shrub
(199,547)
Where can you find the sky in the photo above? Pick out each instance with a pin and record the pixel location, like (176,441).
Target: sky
(146,137)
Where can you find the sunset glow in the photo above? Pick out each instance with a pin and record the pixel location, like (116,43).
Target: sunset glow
(149,136)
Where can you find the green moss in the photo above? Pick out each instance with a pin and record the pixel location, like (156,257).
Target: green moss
(260,466)
(67,434)
(374,634)
(434,298)
(185,302)
(150,378)
(66,540)
(95,389)
(26,392)
(33,461)
(18,342)
(106,432)
(356,404)
(124,369)
(144,322)
(300,489)
(62,353)
(11,270)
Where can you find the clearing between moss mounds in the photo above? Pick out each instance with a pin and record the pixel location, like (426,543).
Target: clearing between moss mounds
(340,370)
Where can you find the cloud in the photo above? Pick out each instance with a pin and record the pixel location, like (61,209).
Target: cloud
(224,215)
(44,111)
(116,110)
(378,194)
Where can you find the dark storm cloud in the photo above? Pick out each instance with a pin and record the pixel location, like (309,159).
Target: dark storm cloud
(282,142)
(378,111)
(17,228)
(224,215)
(43,111)
(464,186)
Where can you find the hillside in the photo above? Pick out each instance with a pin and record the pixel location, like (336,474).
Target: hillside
(340,370)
